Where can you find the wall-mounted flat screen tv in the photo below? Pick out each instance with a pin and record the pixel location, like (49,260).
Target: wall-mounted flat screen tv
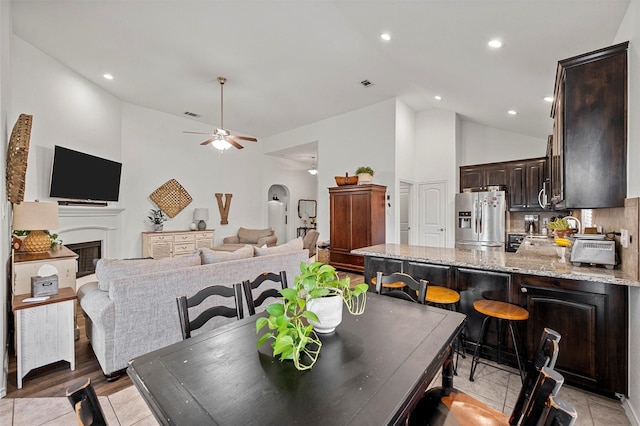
(80,176)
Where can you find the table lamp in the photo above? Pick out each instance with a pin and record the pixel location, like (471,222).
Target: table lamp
(36,217)
(200,215)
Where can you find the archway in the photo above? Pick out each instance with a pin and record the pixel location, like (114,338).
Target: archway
(278,211)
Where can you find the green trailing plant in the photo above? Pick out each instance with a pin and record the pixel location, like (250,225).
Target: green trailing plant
(156,216)
(365,169)
(293,337)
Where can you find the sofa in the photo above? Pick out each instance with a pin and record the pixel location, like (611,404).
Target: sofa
(131,309)
(254,237)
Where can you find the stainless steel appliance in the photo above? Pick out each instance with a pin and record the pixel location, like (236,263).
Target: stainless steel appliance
(513,242)
(593,249)
(480,220)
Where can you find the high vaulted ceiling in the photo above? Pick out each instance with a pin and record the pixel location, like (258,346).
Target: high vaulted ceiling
(291,63)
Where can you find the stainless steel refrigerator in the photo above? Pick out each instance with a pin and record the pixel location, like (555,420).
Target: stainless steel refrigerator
(480,220)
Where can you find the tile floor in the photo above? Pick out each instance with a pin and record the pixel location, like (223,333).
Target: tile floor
(495,387)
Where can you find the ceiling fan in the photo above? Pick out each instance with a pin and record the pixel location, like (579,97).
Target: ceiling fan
(220,137)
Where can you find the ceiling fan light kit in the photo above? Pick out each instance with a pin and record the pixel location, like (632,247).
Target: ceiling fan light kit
(221,138)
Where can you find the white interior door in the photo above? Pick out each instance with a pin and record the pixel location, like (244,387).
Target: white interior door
(432,213)
(405,209)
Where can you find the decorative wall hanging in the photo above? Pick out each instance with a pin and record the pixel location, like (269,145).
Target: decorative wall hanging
(171,197)
(17,154)
(224,208)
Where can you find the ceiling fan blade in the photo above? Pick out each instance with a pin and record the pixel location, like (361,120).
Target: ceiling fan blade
(245,138)
(208,141)
(233,142)
(197,133)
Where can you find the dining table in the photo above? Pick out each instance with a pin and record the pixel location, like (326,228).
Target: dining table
(372,370)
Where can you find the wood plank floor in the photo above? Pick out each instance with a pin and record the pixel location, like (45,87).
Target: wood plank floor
(53,380)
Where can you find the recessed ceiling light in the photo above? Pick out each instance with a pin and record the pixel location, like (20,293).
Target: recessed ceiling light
(108,76)
(495,43)
(437,97)
(512,112)
(548,98)
(385,36)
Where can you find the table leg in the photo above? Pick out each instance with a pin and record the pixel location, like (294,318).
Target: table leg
(447,369)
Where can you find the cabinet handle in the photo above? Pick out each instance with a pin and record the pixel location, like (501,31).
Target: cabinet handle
(523,289)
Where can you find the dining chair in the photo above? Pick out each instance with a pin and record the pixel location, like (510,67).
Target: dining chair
(85,403)
(249,286)
(540,382)
(184,303)
(419,288)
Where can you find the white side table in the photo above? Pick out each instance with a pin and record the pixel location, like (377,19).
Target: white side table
(44,331)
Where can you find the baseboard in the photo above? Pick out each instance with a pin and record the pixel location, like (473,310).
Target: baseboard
(631,414)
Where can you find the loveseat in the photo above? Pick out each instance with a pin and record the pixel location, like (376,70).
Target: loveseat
(254,237)
(131,310)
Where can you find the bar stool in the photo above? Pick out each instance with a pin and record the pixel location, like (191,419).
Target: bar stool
(502,311)
(389,286)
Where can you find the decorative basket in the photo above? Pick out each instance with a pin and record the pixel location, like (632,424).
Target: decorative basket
(171,197)
(346,180)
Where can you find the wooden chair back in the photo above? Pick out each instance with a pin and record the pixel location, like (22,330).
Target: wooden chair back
(545,356)
(184,303)
(248,287)
(418,288)
(85,403)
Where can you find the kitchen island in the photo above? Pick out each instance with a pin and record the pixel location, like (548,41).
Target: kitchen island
(587,305)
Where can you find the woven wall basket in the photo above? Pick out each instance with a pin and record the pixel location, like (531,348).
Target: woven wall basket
(17,155)
(171,197)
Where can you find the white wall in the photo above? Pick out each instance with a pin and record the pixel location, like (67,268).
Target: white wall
(5,129)
(628,32)
(435,156)
(364,137)
(481,144)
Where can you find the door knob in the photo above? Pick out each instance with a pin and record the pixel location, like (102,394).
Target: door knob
(440,229)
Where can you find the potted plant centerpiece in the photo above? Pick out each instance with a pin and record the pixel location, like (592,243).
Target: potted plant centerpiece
(365,175)
(560,227)
(313,304)
(157,218)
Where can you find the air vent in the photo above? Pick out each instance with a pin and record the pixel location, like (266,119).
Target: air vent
(366,83)
(192,114)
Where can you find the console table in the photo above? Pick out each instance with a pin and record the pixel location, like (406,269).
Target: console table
(26,265)
(163,244)
(44,331)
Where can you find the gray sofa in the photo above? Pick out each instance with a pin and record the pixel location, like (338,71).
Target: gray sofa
(138,313)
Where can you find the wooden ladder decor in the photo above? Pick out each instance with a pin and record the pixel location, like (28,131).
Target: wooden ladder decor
(224,207)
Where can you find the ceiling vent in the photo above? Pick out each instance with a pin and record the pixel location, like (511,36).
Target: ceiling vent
(192,114)
(366,83)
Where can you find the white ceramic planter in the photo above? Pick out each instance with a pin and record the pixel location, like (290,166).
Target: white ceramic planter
(364,179)
(329,312)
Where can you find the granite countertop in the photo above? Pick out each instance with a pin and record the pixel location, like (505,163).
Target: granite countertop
(531,262)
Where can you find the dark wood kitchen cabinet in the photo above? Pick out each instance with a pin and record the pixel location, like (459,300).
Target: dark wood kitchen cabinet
(589,166)
(357,219)
(477,178)
(526,179)
(592,319)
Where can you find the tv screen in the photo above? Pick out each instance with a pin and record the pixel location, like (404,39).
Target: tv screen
(81,176)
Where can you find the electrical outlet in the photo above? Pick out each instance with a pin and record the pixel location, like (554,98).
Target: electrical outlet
(624,238)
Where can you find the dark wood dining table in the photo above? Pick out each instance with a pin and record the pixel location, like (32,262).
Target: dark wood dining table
(371,371)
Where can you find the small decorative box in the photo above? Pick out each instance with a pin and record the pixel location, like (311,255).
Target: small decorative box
(44,286)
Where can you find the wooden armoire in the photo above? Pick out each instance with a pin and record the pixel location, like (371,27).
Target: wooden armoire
(357,219)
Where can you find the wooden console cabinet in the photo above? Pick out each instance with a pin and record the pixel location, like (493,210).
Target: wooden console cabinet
(357,219)
(175,243)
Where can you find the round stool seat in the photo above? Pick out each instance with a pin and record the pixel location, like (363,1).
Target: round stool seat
(441,295)
(501,310)
(397,284)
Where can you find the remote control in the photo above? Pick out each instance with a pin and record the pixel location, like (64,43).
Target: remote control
(36,299)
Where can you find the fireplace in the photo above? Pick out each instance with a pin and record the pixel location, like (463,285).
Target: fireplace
(87,253)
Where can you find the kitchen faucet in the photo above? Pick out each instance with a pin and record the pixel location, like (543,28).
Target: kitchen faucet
(570,218)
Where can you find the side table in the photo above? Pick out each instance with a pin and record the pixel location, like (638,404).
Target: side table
(44,331)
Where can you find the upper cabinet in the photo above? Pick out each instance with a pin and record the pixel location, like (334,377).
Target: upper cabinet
(589,144)
(522,180)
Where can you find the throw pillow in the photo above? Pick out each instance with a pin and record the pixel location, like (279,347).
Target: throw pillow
(249,236)
(109,269)
(212,256)
(292,245)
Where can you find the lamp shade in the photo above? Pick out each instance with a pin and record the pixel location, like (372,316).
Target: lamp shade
(201,214)
(35,216)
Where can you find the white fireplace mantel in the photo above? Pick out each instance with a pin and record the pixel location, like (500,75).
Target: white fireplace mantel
(79,224)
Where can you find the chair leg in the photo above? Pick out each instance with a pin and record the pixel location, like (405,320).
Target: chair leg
(515,345)
(476,352)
